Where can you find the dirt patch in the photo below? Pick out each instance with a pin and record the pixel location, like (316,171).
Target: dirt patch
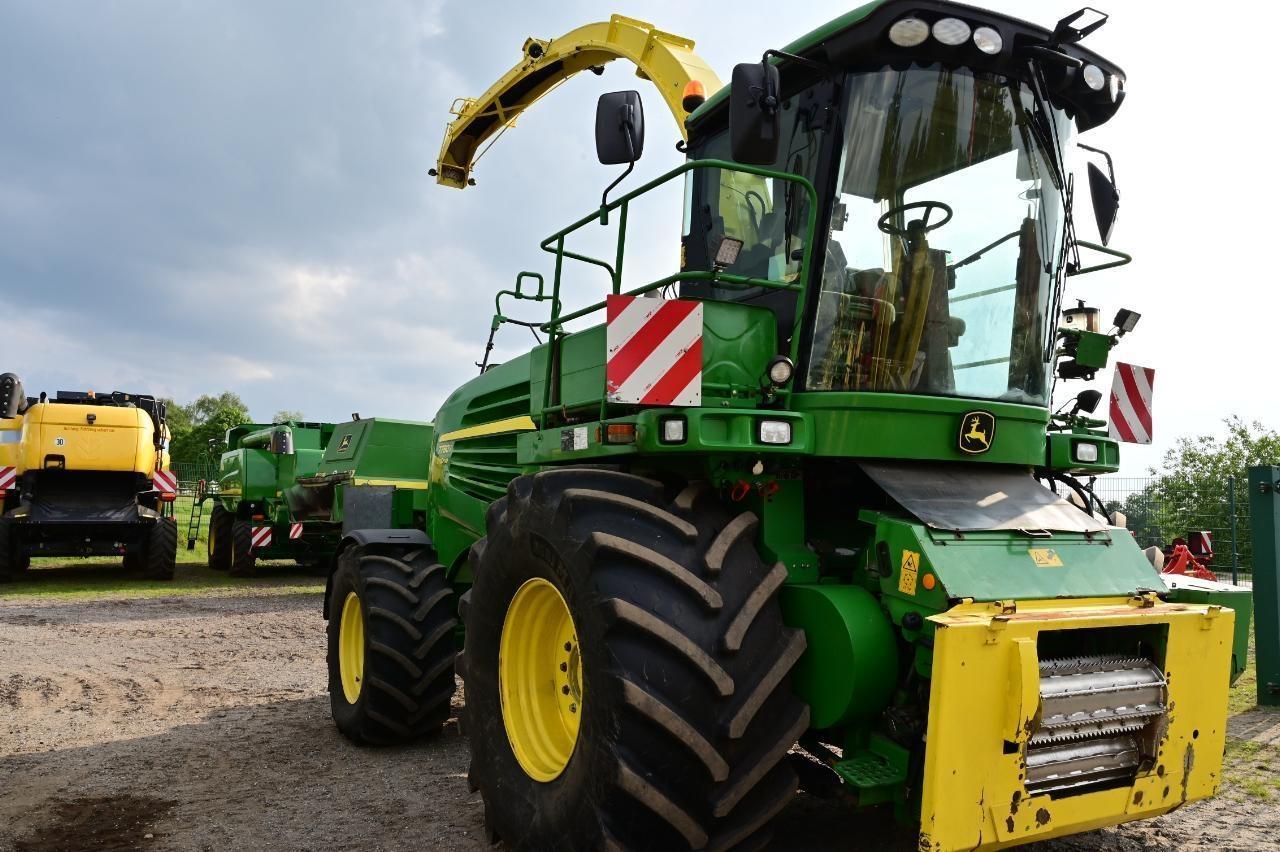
(211,711)
(108,823)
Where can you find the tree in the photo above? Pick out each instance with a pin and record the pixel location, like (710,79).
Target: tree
(1193,491)
(284,415)
(192,426)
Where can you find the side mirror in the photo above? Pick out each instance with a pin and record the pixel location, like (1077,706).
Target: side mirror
(755,123)
(282,442)
(619,128)
(12,396)
(1106,202)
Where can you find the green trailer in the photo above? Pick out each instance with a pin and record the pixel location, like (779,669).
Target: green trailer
(290,491)
(814,518)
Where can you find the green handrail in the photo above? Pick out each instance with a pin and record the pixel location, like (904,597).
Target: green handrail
(555,244)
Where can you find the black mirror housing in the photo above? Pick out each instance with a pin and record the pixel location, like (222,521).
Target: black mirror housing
(12,397)
(619,128)
(1088,400)
(755,123)
(282,442)
(1106,202)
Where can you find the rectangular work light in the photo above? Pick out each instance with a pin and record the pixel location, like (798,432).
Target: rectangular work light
(775,432)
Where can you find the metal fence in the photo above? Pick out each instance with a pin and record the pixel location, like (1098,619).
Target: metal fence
(191,474)
(1160,509)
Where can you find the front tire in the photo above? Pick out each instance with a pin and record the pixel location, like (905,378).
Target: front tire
(391,644)
(160,553)
(686,712)
(243,561)
(220,522)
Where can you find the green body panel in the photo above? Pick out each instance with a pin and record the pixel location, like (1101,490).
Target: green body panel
(903,426)
(380,448)
(1010,565)
(737,343)
(1265,513)
(1062,453)
(848,672)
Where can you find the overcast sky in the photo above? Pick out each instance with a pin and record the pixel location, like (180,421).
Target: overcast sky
(197,197)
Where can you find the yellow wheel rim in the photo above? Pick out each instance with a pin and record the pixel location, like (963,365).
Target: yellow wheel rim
(540,680)
(351,647)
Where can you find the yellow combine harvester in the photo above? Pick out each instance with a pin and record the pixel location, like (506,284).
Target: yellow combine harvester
(85,474)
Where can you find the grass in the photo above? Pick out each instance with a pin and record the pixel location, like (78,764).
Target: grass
(1248,767)
(105,579)
(1244,692)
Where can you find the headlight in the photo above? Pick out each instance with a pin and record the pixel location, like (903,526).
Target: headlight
(908,32)
(775,432)
(781,370)
(1086,452)
(673,430)
(1094,78)
(951,31)
(988,40)
(1116,86)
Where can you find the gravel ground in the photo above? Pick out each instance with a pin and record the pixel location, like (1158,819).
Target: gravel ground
(202,722)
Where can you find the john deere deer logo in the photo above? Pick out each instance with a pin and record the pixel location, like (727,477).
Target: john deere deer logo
(977,432)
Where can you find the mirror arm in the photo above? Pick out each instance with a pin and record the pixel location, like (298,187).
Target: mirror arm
(631,150)
(1123,258)
(1111,166)
(824,67)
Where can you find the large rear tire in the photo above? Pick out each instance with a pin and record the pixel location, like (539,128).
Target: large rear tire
(160,553)
(391,644)
(243,561)
(674,658)
(220,521)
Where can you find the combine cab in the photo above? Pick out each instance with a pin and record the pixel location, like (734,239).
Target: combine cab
(85,474)
(812,495)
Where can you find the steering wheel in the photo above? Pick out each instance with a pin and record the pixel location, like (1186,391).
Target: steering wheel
(885,224)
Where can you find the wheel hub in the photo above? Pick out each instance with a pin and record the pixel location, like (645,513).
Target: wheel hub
(540,679)
(351,647)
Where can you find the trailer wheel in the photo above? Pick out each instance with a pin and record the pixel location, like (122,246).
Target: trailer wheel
(243,562)
(627,669)
(160,553)
(391,644)
(220,521)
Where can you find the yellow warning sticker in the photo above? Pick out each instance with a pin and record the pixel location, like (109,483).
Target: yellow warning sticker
(1045,557)
(909,572)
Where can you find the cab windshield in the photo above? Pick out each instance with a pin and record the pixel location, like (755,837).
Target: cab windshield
(945,241)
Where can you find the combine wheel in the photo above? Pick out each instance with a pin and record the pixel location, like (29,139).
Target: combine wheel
(220,521)
(391,644)
(12,563)
(159,555)
(627,669)
(243,562)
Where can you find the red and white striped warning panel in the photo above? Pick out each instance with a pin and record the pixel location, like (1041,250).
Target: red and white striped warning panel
(1131,403)
(165,481)
(295,531)
(654,352)
(8,478)
(260,537)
